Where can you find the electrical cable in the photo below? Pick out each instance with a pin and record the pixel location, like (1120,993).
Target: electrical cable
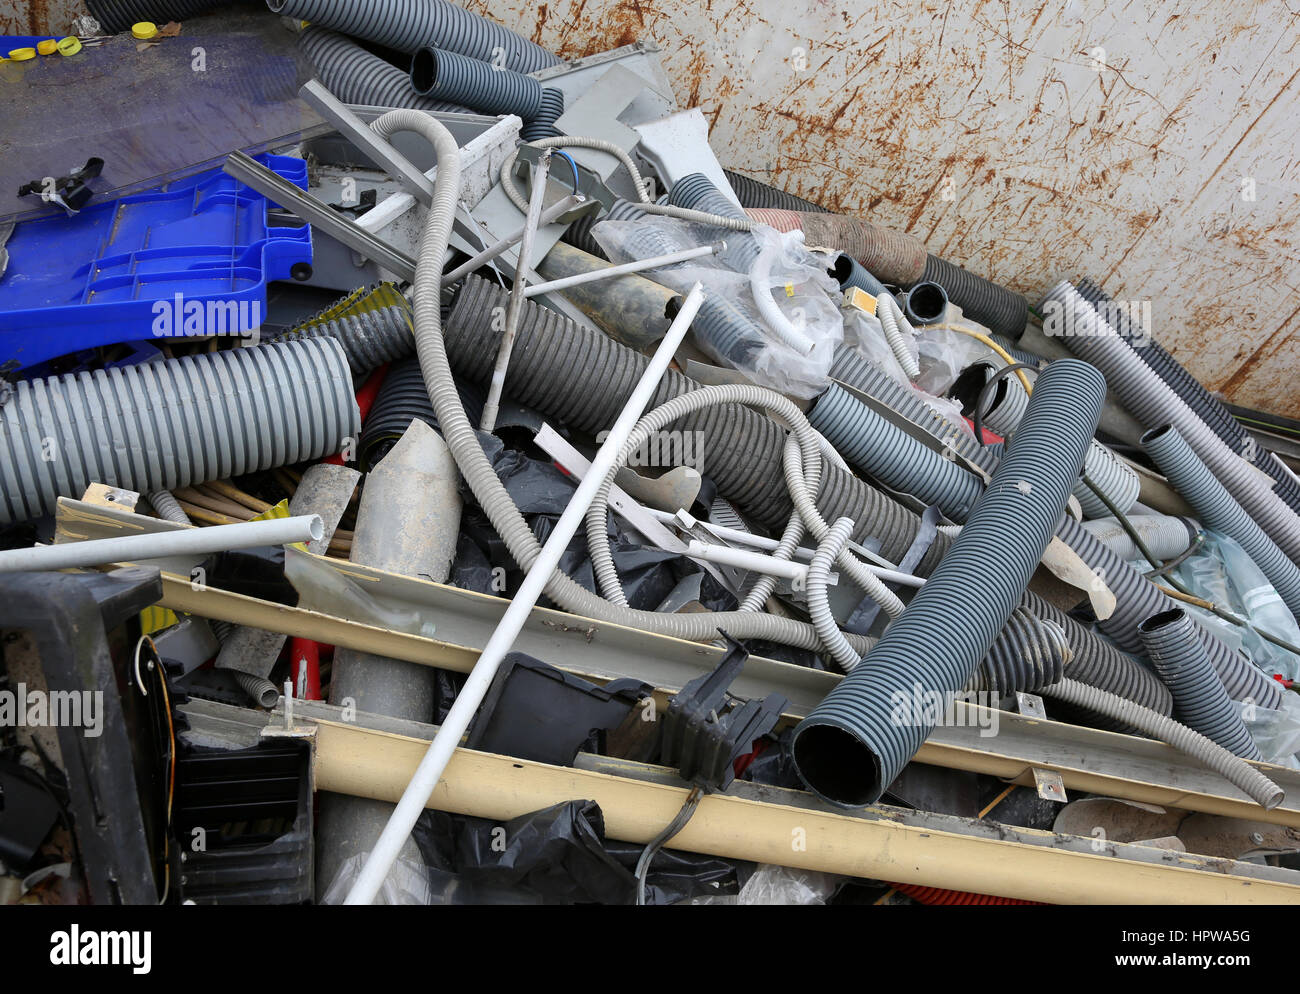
(688,809)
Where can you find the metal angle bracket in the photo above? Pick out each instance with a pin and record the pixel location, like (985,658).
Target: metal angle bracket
(1050,785)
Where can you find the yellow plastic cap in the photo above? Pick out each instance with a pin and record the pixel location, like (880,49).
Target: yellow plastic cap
(70,45)
(144,30)
(47,47)
(22,54)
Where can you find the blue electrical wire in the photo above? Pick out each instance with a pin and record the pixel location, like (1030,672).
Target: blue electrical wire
(573,164)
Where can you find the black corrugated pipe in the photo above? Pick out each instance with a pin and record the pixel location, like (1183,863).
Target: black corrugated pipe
(1207,407)
(543,123)
(583,378)
(1027,653)
(1217,510)
(856,741)
(116,16)
(409,25)
(403,398)
(459,79)
(373,329)
(755,193)
(579,235)
(356,76)
(997,308)
(1200,702)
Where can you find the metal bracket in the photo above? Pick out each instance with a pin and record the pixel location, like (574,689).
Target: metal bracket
(1050,785)
(1030,705)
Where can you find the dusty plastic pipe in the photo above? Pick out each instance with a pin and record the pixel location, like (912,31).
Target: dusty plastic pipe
(435,760)
(627,267)
(182,542)
(744,559)
(496,248)
(772,315)
(493,402)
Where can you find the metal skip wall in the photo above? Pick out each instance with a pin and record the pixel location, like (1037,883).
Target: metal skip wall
(1151,145)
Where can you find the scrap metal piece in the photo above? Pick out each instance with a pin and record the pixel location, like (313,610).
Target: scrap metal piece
(1050,786)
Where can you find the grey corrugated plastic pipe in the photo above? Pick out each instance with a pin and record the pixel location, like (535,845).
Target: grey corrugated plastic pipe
(460,79)
(1200,702)
(1002,311)
(1217,510)
(542,125)
(755,193)
(1149,399)
(370,337)
(161,425)
(1254,784)
(854,744)
(356,76)
(1165,536)
(408,25)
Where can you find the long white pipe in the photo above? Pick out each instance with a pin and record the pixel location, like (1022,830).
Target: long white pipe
(157,545)
(496,248)
(637,266)
(444,744)
(745,559)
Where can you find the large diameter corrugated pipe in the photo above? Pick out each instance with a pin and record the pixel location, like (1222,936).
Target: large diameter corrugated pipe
(856,742)
(116,16)
(404,398)
(696,192)
(161,425)
(927,303)
(543,124)
(1200,702)
(782,220)
(1165,536)
(486,88)
(891,256)
(1217,510)
(356,76)
(408,25)
(370,336)
(1137,598)
(1153,403)
(892,456)
(1002,311)
(582,378)
(1028,653)
(1246,778)
(755,193)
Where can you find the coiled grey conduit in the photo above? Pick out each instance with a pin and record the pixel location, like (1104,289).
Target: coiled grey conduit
(463,441)
(1218,511)
(1249,780)
(1149,399)
(161,425)
(356,76)
(854,744)
(582,378)
(819,606)
(408,25)
(1200,702)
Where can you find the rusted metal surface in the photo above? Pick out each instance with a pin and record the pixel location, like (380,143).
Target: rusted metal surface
(1027,141)
(38,17)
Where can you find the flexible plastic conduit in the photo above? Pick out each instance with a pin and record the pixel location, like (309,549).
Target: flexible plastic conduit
(1246,778)
(370,335)
(1149,399)
(886,452)
(1165,536)
(582,378)
(760,278)
(542,124)
(1028,653)
(755,193)
(115,16)
(1137,598)
(819,607)
(1207,407)
(854,744)
(402,399)
(356,76)
(783,221)
(1000,310)
(409,25)
(463,441)
(160,425)
(1217,510)
(460,79)
(1200,701)
(696,192)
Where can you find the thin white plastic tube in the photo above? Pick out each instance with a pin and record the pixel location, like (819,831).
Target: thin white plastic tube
(182,542)
(444,744)
(745,559)
(760,275)
(626,267)
(497,247)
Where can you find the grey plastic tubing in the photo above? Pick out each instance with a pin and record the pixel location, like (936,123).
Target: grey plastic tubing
(1165,536)
(1150,400)
(542,125)
(848,272)
(886,452)
(1236,771)
(819,606)
(1200,702)
(460,79)
(583,378)
(1002,311)
(356,76)
(850,747)
(462,438)
(115,16)
(755,193)
(409,25)
(696,192)
(369,338)
(259,688)
(160,425)
(1028,653)
(1217,510)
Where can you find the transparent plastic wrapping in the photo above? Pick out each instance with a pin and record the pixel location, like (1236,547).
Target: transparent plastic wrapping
(1276,733)
(731,327)
(784,885)
(406,883)
(945,353)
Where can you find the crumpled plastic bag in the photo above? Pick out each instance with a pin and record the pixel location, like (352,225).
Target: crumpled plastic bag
(781,885)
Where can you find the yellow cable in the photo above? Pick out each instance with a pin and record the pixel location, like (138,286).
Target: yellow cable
(980,336)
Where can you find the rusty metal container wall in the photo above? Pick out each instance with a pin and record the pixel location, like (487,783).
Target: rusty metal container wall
(38,17)
(1149,145)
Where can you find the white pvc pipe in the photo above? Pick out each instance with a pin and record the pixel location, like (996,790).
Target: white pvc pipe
(416,796)
(744,559)
(497,247)
(637,266)
(773,317)
(157,545)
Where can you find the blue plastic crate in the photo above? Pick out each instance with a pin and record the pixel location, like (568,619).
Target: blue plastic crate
(192,258)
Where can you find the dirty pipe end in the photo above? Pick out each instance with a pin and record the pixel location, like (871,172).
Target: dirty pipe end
(1162,620)
(836,765)
(1154,434)
(316,528)
(424,71)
